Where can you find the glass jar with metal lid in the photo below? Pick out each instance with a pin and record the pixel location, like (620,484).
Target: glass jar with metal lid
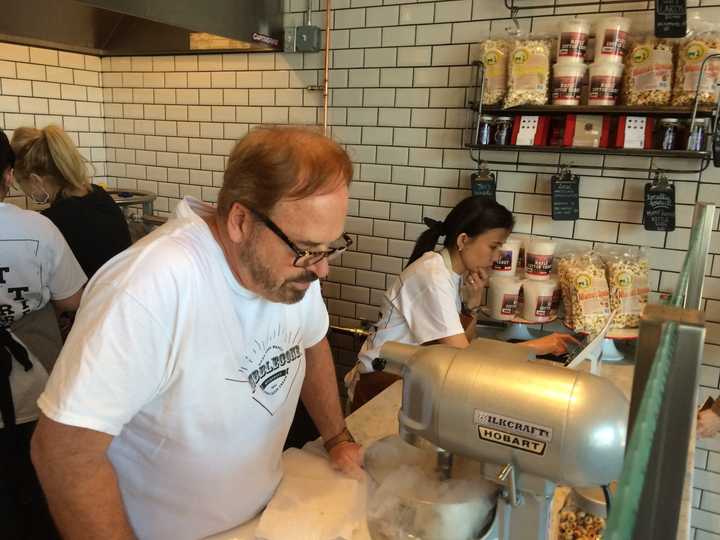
(667,134)
(483,135)
(503,130)
(697,135)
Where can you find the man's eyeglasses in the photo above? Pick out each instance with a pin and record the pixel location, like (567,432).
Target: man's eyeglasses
(304,257)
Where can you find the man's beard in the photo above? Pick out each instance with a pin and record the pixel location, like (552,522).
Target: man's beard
(262,276)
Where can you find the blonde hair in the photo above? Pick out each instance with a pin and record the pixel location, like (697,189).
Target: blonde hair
(49,152)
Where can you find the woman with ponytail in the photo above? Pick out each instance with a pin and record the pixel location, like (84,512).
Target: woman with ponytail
(51,170)
(39,278)
(435,299)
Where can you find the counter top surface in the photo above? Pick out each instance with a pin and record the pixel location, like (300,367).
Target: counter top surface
(378,419)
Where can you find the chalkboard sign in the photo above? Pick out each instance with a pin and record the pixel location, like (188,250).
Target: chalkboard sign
(565,197)
(670,18)
(659,209)
(483,184)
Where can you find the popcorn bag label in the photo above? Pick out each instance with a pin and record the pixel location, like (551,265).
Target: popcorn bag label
(504,262)
(631,291)
(651,69)
(509,304)
(538,265)
(695,53)
(530,70)
(592,296)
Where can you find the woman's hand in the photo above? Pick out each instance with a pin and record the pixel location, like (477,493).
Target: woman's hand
(555,344)
(708,423)
(473,287)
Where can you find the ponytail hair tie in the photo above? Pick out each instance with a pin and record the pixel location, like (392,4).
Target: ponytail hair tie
(435,226)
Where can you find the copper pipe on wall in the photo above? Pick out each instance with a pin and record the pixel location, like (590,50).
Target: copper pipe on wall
(326,75)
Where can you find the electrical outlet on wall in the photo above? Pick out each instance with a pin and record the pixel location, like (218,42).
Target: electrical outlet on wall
(289,37)
(307,39)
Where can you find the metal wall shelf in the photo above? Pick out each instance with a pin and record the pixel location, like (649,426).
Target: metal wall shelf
(617,110)
(591,150)
(704,158)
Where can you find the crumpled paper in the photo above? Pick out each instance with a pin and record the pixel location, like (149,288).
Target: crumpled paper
(313,502)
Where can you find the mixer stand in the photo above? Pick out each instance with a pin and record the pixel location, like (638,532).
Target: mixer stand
(524,503)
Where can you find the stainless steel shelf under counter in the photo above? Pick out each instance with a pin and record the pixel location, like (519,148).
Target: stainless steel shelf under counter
(134,198)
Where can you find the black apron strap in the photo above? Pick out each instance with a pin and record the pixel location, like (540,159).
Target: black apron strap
(9,349)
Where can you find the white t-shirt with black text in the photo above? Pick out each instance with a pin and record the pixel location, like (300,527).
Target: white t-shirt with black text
(36,266)
(422,305)
(196,377)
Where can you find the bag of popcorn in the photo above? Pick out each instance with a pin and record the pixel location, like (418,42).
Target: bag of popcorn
(628,278)
(585,291)
(528,72)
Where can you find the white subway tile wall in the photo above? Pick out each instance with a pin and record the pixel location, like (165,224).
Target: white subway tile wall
(399,81)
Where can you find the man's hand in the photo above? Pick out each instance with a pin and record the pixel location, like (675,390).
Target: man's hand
(348,458)
(555,343)
(708,423)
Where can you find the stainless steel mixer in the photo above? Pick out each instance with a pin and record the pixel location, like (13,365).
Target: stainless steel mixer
(533,425)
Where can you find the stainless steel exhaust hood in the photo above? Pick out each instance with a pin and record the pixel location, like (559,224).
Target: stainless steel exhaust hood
(144,27)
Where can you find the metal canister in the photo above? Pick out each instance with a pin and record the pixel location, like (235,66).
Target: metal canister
(484,130)
(667,134)
(697,135)
(503,130)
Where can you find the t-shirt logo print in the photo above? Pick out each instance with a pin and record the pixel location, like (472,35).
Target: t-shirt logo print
(270,367)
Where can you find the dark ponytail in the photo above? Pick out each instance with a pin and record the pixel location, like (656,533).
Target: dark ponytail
(7,160)
(472,216)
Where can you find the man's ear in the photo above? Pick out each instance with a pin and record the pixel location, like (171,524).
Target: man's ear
(239,223)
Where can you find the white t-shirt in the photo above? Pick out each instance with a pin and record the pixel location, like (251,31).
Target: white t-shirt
(196,377)
(423,304)
(36,266)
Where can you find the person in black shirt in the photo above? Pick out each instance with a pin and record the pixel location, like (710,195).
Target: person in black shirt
(51,170)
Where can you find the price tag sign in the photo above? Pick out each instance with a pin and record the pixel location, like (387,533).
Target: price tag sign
(670,18)
(484,185)
(659,209)
(565,197)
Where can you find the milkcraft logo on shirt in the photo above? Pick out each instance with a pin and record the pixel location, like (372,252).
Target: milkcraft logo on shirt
(270,368)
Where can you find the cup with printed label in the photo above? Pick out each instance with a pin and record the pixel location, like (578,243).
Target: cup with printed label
(604,85)
(506,263)
(503,296)
(567,83)
(611,39)
(539,259)
(573,41)
(538,300)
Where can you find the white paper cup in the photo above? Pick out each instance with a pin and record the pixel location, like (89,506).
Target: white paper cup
(539,259)
(611,39)
(538,300)
(506,264)
(573,40)
(567,83)
(604,85)
(503,297)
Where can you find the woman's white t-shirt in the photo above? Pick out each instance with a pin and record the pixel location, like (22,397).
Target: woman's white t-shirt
(196,377)
(422,305)
(36,266)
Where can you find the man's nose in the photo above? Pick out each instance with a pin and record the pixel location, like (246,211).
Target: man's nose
(321,268)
